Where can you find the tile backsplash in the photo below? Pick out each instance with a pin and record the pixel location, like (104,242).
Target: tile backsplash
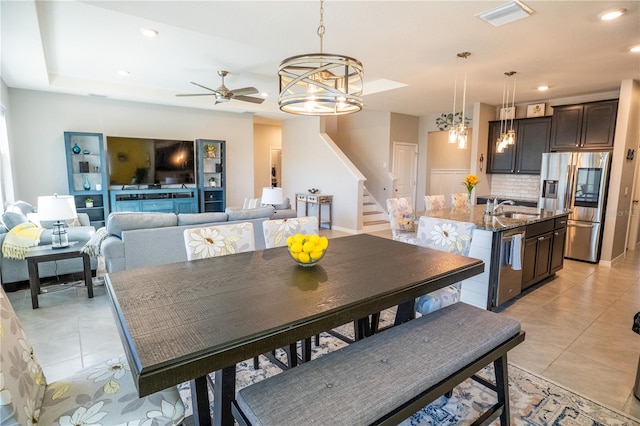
(516,186)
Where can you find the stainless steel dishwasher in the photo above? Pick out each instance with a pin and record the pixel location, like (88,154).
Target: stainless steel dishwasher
(509,282)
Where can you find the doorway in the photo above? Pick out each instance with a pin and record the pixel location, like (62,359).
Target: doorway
(275,165)
(405,169)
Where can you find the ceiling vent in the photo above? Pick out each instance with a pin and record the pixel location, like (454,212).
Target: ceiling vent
(506,13)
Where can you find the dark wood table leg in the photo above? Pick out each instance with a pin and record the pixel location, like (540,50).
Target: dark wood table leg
(405,312)
(34,282)
(224,392)
(200,402)
(86,261)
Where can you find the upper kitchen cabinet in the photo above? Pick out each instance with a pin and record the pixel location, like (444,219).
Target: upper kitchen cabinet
(584,126)
(525,156)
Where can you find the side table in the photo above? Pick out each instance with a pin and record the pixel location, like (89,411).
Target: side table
(318,200)
(46,253)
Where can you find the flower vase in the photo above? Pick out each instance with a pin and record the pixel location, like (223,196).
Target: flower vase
(87,184)
(470,200)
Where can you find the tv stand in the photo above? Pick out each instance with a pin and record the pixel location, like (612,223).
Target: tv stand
(167,200)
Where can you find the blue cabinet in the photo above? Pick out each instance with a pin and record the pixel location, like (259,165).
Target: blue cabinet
(171,200)
(86,174)
(212,181)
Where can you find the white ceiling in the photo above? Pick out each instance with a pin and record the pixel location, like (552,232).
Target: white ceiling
(78,47)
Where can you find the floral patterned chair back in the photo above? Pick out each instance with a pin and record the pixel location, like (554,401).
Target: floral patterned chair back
(434,202)
(276,231)
(461,199)
(104,394)
(402,228)
(219,240)
(444,235)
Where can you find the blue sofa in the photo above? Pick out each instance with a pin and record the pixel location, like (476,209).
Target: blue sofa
(137,240)
(14,271)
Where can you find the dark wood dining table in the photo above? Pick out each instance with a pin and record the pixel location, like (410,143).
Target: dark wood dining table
(181,321)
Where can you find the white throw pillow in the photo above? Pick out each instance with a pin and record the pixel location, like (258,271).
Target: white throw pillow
(251,203)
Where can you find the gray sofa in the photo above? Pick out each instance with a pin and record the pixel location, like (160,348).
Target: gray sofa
(15,270)
(137,240)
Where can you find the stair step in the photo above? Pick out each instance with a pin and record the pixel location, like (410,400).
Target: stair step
(376,222)
(371,213)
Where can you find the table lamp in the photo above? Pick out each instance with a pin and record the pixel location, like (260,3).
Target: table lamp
(272,196)
(57,208)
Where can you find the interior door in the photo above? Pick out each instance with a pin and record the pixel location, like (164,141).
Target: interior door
(405,168)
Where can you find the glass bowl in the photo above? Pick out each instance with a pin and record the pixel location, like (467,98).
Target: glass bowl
(307,259)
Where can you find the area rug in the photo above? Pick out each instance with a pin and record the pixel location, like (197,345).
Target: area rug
(534,400)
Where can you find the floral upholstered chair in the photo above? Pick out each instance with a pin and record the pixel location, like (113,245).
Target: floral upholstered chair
(219,240)
(460,199)
(444,235)
(276,231)
(100,395)
(434,202)
(402,228)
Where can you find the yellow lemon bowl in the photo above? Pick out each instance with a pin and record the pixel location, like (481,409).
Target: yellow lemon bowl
(307,249)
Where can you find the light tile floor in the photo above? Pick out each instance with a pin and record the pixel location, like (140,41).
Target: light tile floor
(578,327)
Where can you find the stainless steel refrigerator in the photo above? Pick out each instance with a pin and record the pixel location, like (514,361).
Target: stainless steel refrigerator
(577,181)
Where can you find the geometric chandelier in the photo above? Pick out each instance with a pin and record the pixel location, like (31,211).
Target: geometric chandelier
(320,83)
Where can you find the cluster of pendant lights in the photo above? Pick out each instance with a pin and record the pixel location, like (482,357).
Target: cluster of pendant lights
(507,137)
(458,132)
(320,83)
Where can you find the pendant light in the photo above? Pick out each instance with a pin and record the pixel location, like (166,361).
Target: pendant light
(507,137)
(458,132)
(320,83)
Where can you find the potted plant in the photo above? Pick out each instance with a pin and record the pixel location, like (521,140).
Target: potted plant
(212,181)
(88,202)
(211,150)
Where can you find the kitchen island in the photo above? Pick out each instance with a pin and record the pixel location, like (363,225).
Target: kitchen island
(521,245)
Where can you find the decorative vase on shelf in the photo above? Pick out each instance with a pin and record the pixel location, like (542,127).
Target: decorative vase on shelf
(87,184)
(76,149)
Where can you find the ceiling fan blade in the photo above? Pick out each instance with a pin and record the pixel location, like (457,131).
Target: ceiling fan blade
(196,94)
(249,99)
(244,91)
(204,87)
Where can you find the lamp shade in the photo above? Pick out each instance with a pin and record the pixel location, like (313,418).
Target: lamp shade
(56,207)
(272,195)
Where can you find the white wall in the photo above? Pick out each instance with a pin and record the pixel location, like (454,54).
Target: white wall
(37,121)
(310,159)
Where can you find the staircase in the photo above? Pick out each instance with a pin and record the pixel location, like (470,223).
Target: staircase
(375,218)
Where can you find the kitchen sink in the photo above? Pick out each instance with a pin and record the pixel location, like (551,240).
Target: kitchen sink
(518,215)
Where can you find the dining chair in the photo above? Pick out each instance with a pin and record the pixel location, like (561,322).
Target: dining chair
(444,235)
(402,228)
(219,240)
(434,202)
(276,231)
(102,394)
(460,199)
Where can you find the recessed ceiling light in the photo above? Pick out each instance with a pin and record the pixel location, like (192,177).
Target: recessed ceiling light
(612,14)
(148,32)
(543,88)
(123,73)
(635,49)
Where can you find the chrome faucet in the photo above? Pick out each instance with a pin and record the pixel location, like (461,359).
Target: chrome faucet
(497,206)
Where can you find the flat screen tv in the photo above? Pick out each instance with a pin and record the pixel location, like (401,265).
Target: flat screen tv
(140,161)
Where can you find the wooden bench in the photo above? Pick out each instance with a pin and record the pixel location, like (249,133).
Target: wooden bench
(386,378)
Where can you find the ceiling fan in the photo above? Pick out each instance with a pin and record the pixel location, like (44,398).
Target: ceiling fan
(223,94)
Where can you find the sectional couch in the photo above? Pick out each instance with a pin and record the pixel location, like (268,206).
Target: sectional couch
(137,240)
(14,271)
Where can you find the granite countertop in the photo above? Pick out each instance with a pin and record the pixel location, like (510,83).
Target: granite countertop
(476,214)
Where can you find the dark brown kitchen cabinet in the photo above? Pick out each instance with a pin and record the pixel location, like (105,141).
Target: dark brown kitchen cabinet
(557,249)
(537,253)
(525,156)
(584,126)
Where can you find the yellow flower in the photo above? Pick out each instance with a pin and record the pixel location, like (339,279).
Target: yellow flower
(470,182)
